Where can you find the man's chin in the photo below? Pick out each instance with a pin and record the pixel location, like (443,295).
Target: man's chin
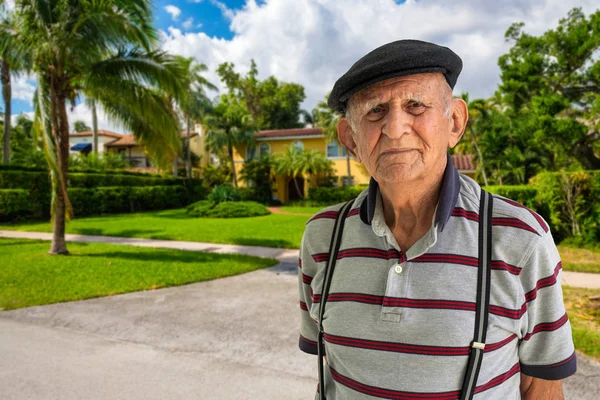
(399,174)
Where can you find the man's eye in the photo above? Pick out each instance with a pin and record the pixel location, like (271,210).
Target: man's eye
(416,104)
(376,110)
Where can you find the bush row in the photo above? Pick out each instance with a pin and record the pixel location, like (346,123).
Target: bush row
(14,204)
(334,194)
(89,188)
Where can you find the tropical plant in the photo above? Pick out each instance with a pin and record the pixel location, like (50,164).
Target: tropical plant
(194,103)
(257,175)
(106,51)
(229,125)
(80,126)
(327,119)
(296,163)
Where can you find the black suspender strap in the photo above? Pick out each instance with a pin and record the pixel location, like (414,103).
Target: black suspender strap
(334,248)
(483,296)
(482,300)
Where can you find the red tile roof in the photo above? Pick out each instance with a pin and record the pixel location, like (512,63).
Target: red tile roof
(100,133)
(280,133)
(463,162)
(126,140)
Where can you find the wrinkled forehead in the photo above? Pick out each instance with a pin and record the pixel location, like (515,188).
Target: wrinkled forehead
(417,87)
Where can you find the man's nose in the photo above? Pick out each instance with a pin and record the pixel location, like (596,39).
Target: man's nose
(398,122)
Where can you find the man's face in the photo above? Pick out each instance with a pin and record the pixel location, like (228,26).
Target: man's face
(403,127)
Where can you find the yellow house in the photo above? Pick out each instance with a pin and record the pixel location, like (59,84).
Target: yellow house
(275,142)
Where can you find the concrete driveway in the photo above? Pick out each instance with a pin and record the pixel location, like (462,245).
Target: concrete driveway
(233,338)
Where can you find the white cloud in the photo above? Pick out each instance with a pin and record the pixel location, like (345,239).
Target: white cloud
(188,23)
(330,36)
(174,11)
(23,88)
(227,13)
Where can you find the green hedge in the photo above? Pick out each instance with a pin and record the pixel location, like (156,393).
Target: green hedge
(523,194)
(114,200)
(334,194)
(114,191)
(14,203)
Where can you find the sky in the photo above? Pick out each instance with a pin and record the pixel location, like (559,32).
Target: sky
(313,42)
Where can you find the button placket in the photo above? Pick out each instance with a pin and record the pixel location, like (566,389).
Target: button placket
(397,286)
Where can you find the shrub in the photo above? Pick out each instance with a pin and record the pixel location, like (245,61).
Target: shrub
(335,194)
(14,203)
(571,201)
(524,194)
(228,209)
(37,183)
(224,193)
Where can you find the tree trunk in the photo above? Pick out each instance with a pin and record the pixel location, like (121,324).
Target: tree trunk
(60,133)
(6,95)
(188,161)
(348,165)
(584,153)
(298,188)
(175,167)
(485,180)
(95,126)
(233,174)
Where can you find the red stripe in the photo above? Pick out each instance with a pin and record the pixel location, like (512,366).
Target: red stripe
(447,258)
(300,263)
(401,395)
(512,222)
(363,252)
(333,214)
(307,279)
(539,219)
(461,212)
(542,283)
(308,341)
(303,306)
(501,265)
(423,304)
(558,364)
(396,347)
(547,326)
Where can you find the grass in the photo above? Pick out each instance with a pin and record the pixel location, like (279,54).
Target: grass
(275,230)
(584,315)
(580,260)
(29,276)
(309,211)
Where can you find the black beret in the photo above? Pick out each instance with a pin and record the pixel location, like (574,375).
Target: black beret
(400,58)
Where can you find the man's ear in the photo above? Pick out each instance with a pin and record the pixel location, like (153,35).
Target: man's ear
(460,117)
(346,137)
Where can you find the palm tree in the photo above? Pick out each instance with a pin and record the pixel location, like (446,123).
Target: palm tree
(195,103)
(105,50)
(313,162)
(12,62)
(290,164)
(229,125)
(327,119)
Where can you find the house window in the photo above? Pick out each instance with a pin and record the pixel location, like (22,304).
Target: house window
(250,152)
(298,145)
(264,149)
(334,149)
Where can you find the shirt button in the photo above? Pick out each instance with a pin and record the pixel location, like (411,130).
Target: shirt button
(398,269)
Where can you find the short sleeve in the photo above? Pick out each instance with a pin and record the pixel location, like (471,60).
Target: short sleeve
(546,348)
(308,327)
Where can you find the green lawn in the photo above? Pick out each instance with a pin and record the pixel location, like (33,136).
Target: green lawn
(275,230)
(29,276)
(310,211)
(580,260)
(584,315)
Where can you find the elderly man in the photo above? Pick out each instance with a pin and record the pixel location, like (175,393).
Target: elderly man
(432,289)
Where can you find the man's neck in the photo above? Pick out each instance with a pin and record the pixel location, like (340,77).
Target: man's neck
(409,208)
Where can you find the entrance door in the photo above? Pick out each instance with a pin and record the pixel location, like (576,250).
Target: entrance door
(292,191)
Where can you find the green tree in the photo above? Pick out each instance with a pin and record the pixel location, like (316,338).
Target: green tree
(257,174)
(80,126)
(229,125)
(551,92)
(297,163)
(106,51)
(272,104)
(195,103)
(12,63)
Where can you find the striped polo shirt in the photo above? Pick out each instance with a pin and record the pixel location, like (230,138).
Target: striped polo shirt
(398,323)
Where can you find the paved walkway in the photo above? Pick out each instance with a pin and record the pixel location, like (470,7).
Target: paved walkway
(576,279)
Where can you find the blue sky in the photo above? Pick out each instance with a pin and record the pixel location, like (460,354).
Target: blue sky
(313,42)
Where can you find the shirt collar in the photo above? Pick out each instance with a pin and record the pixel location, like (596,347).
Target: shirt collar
(446,203)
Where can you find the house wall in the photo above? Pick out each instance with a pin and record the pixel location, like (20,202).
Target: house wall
(73,140)
(136,153)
